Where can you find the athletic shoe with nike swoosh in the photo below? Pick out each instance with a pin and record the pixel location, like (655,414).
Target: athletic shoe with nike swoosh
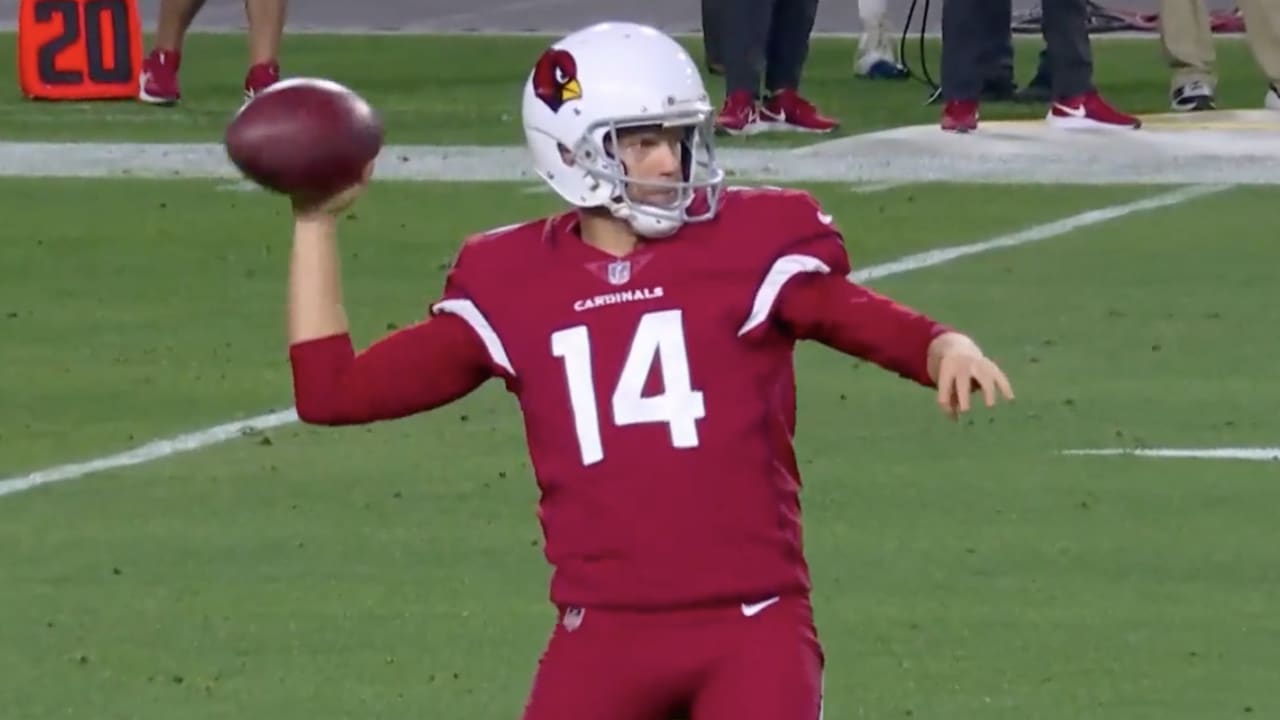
(1089,111)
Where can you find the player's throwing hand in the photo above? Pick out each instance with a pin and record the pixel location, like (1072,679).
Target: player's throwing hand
(960,368)
(337,203)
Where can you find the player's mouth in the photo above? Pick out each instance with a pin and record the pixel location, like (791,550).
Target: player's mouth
(657,198)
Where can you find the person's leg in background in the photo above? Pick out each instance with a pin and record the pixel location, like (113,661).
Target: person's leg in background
(159,76)
(877,54)
(1066,37)
(266,30)
(786,51)
(1076,102)
(743,35)
(1262,30)
(1187,43)
(1040,89)
(158,82)
(998,83)
(964,48)
(712,19)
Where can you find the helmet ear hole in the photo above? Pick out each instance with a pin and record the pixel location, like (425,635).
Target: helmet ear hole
(566,154)
(688,147)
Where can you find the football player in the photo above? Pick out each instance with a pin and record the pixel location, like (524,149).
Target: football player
(647,334)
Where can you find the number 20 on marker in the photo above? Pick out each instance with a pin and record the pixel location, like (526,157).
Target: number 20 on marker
(79,49)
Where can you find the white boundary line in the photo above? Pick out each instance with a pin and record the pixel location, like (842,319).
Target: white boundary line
(159,449)
(872,188)
(1237,148)
(1038,232)
(1265,454)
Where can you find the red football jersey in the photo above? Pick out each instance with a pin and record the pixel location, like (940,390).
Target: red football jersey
(658,396)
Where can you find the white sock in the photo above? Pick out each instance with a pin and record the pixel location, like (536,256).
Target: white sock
(872,11)
(877,42)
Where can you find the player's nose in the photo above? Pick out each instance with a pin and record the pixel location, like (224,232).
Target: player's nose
(668,159)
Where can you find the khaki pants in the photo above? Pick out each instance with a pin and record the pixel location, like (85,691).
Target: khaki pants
(1188,44)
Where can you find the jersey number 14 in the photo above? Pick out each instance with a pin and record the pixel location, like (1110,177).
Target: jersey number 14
(659,336)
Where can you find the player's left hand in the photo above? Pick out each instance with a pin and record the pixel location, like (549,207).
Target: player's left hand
(962,369)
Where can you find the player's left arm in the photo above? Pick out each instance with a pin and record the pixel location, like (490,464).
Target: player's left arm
(858,321)
(814,299)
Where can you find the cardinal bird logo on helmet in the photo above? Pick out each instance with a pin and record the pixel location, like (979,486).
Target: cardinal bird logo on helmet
(555,79)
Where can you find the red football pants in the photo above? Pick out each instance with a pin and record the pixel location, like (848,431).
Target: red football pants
(751,662)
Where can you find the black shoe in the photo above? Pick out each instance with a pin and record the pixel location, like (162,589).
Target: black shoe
(1035,93)
(998,91)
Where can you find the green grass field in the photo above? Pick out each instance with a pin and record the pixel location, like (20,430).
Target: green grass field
(395,571)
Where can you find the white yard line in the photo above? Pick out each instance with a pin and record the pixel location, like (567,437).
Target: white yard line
(1037,232)
(1271,454)
(154,450)
(1239,151)
(871,188)
(159,449)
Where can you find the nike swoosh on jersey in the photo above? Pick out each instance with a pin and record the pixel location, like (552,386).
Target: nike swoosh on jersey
(753,609)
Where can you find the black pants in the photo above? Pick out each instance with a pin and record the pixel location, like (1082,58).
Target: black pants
(755,38)
(997,57)
(713,11)
(973,53)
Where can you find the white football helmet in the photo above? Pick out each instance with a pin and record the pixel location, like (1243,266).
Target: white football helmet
(609,76)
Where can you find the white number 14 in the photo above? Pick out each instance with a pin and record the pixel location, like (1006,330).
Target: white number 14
(660,336)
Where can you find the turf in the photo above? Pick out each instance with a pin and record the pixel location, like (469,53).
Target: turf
(962,569)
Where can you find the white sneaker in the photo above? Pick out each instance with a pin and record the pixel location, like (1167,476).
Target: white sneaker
(1192,97)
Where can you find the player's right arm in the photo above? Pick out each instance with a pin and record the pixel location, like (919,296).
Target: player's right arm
(412,370)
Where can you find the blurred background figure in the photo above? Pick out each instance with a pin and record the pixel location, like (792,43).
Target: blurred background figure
(159,76)
(712,11)
(1187,39)
(967,62)
(998,81)
(877,55)
(769,40)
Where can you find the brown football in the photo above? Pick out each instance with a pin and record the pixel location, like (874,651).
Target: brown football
(304,137)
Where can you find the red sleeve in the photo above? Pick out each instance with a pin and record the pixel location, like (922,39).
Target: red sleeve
(412,370)
(860,322)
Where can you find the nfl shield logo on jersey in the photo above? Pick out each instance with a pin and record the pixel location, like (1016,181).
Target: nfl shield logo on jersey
(619,272)
(573,618)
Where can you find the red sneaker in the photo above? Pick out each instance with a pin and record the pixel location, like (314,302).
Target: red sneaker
(960,116)
(1089,111)
(158,80)
(786,110)
(260,77)
(739,116)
